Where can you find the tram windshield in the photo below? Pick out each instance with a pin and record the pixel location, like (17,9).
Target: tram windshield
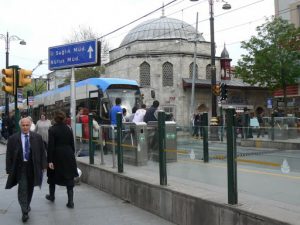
(129,97)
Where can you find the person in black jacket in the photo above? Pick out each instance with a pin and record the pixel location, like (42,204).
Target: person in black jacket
(25,162)
(61,158)
(151,114)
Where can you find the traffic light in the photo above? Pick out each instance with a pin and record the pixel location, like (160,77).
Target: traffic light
(223,91)
(9,80)
(24,77)
(216,90)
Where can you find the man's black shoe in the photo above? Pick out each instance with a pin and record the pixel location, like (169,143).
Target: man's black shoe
(25,217)
(50,198)
(70,205)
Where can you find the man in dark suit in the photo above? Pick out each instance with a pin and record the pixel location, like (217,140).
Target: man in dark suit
(25,162)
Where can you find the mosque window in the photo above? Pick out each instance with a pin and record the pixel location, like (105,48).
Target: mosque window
(167,74)
(191,71)
(145,74)
(208,72)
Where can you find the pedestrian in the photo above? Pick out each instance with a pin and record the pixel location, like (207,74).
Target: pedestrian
(11,125)
(151,113)
(68,119)
(61,158)
(25,162)
(197,124)
(42,127)
(79,113)
(124,115)
(96,127)
(261,129)
(84,120)
(130,118)
(32,127)
(114,110)
(139,114)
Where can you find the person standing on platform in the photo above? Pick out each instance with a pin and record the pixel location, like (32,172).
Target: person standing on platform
(42,126)
(114,110)
(25,162)
(61,158)
(139,114)
(151,113)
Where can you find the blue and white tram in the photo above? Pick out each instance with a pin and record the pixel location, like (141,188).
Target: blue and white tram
(97,94)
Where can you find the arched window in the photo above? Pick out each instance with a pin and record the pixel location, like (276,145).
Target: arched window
(208,72)
(191,71)
(167,71)
(145,74)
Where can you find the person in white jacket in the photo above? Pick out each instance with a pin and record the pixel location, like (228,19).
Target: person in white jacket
(139,114)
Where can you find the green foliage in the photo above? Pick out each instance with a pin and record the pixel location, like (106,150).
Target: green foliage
(273,55)
(37,85)
(87,72)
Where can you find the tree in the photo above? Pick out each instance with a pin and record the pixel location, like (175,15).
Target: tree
(38,86)
(273,56)
(86,33)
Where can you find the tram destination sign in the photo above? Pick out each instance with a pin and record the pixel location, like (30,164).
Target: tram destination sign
(77,54)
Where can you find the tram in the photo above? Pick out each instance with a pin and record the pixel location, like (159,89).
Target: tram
(96,94)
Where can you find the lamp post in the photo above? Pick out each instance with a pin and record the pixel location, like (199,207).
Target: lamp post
(213,54)
(7,40)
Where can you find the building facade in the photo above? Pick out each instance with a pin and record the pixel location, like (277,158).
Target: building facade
(159,55)
(288,10)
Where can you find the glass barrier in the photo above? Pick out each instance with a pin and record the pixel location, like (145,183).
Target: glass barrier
(266,168)
(271,169)
(190,167)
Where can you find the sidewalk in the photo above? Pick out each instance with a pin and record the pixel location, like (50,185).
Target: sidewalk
(92,207)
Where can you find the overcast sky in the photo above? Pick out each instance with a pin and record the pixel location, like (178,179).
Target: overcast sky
(46,23)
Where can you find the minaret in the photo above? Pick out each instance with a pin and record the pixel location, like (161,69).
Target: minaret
(225,65)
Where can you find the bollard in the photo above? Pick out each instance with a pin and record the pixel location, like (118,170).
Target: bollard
(162,147)
(119,143)
(205,137)
(231,158)
(91,146)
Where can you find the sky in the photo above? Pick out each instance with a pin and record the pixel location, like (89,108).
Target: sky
(47,23)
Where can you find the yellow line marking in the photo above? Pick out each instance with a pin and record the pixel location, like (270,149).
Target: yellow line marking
(258,162)
(218,165)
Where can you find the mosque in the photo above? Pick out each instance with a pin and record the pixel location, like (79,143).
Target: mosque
(159,55)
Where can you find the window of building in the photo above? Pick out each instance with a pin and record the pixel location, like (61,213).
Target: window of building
(145,74)
(167,71)
(191,71)
(170,112)
(208,72)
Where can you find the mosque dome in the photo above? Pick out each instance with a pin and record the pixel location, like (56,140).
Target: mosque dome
(161,28)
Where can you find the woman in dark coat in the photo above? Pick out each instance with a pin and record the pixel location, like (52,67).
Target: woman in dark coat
(61,158)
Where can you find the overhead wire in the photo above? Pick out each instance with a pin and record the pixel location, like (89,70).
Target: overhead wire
(169,5)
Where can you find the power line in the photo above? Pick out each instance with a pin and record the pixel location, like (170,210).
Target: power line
(136,20)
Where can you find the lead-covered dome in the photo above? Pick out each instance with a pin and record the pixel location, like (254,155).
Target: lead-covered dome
(161,28)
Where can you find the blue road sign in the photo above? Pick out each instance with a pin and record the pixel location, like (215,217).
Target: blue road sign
(76,54)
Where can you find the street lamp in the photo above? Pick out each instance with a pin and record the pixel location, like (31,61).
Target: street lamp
(213,56)
(7,40)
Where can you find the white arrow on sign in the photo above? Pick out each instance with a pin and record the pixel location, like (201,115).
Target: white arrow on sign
(90,50)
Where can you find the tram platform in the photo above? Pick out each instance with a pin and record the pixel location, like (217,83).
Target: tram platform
(184,201)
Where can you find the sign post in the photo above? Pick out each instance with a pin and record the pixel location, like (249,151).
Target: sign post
(71,56)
